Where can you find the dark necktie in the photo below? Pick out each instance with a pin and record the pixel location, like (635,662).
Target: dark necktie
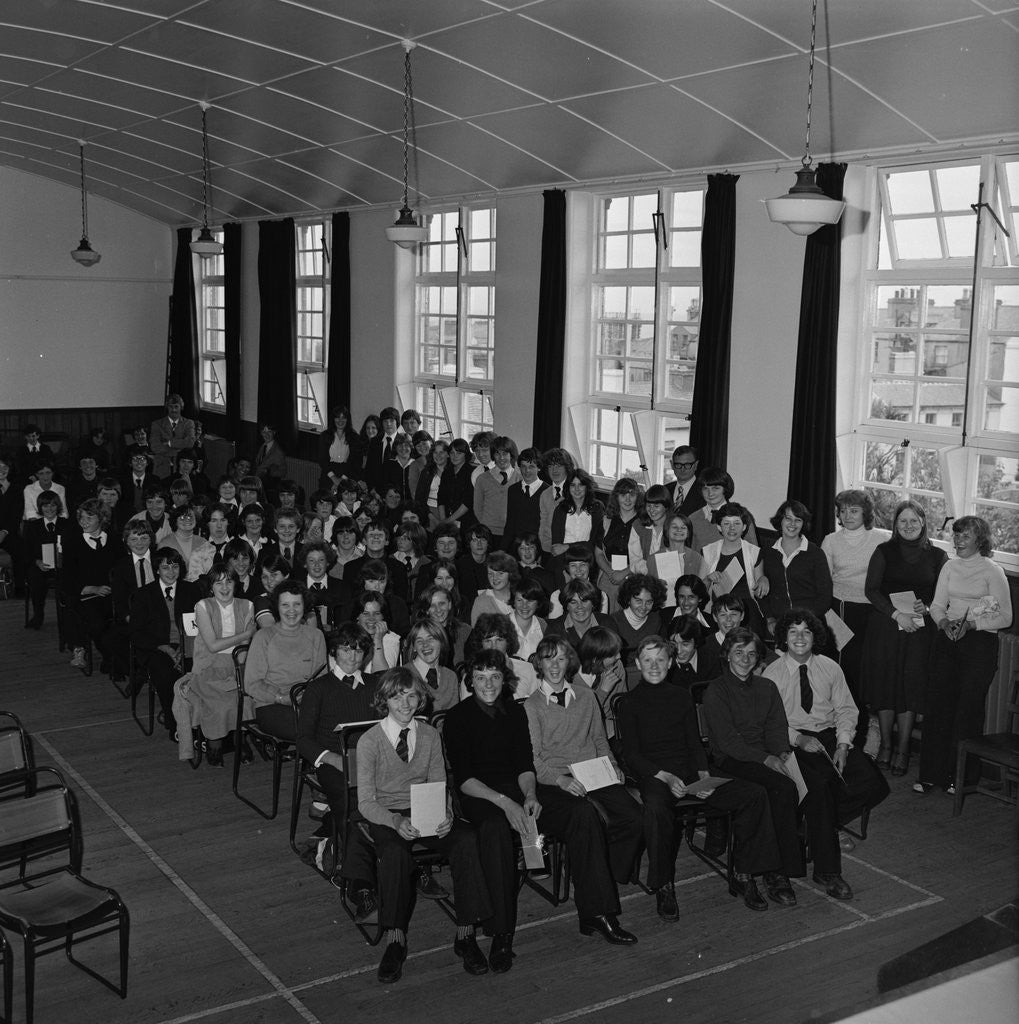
(318,586)
(560,697)
(137,482)
(558,493)
(169,593)
(806,694)
(504,478)
(51,528)
(686,669)
(347,680)
(407,560)
(527,490)
(98,541)
(432,678)
(388,453)
(141,572)
(402,750)
(287,554)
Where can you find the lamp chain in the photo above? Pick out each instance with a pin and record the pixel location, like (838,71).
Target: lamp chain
(205,171)
(84,204)
(407,99)
(810,81)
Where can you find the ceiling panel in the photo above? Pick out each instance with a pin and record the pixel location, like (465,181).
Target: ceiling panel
(307,95)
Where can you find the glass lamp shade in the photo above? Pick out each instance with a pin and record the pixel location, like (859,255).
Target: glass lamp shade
(205,245)
(85,254)
(406,232)
(804,208)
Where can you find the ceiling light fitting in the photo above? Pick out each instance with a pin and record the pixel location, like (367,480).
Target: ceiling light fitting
(84,254)
(805,207)
(205,245)
(407,232)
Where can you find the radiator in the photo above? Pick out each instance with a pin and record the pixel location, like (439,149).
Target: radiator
(218,452)
(1001,686)
(305,474)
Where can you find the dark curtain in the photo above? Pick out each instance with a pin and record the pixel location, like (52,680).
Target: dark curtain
(812,472)
(277,329)
(183,375)
(338,357)
(232,236)
(548,384)
(709,419)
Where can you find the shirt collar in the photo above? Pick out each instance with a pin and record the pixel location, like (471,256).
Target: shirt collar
(777,546)
(356,676)
(548,691)
(793,666)
(392,728)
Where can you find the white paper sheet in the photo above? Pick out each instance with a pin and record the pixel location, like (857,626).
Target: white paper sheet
(620,562)
(792,769)
(903,601)
(841,633)
(427,806)
(668,568)
(596,773)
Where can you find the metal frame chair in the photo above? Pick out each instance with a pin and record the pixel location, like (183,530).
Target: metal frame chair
(16,758)
(138,679)
(54,907)
(1000,749)
(270,748)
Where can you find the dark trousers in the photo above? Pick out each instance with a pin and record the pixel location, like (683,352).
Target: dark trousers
(38,584)
(396,871)
(756,850)
(91,619)
(498,859)
(831,801)
(358,856)
(589,830)
(855,615)
(954,704)
(783,802)
(163,673)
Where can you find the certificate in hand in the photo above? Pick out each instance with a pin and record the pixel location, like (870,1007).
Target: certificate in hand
(903,601)
(427,806)
(597,773)
(533,845)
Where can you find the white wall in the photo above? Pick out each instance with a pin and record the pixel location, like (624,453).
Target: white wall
(72,336)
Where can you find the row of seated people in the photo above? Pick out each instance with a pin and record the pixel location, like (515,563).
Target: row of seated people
(510,757)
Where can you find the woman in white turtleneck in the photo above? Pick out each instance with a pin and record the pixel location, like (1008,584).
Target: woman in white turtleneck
(848,552)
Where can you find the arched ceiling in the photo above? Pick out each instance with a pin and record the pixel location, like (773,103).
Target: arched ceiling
(306,95)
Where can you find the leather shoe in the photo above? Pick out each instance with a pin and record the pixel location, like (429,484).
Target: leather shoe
(715,840)
(668,909)
(500,956)
(429,887)
(469,951)
(391,964)
(746,886)
(778,888)
(366,906)
(834,885)
(607,926)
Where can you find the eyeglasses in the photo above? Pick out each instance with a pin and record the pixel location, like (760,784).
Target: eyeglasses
(685,465)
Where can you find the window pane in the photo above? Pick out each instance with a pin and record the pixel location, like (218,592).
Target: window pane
(937,512)
(910,192)
(898,306)
(1001,409)
(941,404)
(918,239)
(890,400)
(894,353)
(643,208)
(884,463)
(998,500)
(685,249)
(481,256)
(1006,308)
(1003,359)
(959,234)
(481,223)
(884,506)
(924,469)
(616,214)
(610,375)
(644,253)
(478,301)
(614,252)
(948,307)
(958,186)
(686,209)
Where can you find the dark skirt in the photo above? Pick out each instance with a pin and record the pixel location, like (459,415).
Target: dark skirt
(895,664)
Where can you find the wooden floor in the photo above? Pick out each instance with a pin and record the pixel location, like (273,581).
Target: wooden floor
(228,927)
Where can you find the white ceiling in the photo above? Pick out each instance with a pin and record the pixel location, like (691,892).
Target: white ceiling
(306,95)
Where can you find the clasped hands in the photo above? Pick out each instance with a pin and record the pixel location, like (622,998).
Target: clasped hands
(679,789)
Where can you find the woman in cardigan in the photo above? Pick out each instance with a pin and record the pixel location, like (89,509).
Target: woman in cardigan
(392,756)
(897,647)
(434,483)
(971,603)
(579,518)
(340,450)
(625,508)
(796,568)
(424,650)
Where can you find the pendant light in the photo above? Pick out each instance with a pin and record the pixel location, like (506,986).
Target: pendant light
(805,207)
(84,254)
(407,232)
(205,245)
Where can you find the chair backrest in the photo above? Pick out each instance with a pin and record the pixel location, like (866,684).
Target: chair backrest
(39,824)
(15,753)
(240,657)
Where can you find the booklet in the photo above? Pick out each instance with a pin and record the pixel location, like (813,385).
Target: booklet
(903,601)
(596,773)
(668,568)
(620,562)
(792,768)
(840,632)
(427,806)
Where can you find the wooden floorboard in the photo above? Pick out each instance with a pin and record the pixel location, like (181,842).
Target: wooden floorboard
(228,927)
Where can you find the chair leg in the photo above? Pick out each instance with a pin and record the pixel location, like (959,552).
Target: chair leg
(960,780)
(29,966)
(295,804)
(8,961)
(125,945)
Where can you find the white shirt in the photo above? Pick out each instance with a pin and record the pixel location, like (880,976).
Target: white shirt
(548,692)
(392,729)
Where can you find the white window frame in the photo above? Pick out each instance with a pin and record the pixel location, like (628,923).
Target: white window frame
(655,423)
(997,265)
(210,285)
(450,397)
(311,299)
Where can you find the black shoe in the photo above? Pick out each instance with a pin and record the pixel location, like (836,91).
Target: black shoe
(715,840)
(429,888)
(214,758)
(34,623)
(834,885)
(668,910)
(500,956)
(366,906)
(470,952)
(746,886)
(778,888)
(247,756)
(607,926)
(391,964)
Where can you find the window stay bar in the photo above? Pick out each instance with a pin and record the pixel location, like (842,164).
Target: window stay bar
(314,396)
(215,377)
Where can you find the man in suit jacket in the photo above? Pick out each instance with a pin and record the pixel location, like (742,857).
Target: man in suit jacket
(49,529)
(523,500)
(156,610)
(381,448)
(333,599)
(134,570)
(169,435)
(29,454)
(684,491)
(137,481)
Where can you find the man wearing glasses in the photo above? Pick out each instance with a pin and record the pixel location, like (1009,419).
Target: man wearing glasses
(686,497)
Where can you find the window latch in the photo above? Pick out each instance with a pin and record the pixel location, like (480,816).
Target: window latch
(461,240)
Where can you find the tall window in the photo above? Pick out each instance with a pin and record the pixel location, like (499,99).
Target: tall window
(645,324)
(211,289)
(313,262)
(455,322)
(938,417)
